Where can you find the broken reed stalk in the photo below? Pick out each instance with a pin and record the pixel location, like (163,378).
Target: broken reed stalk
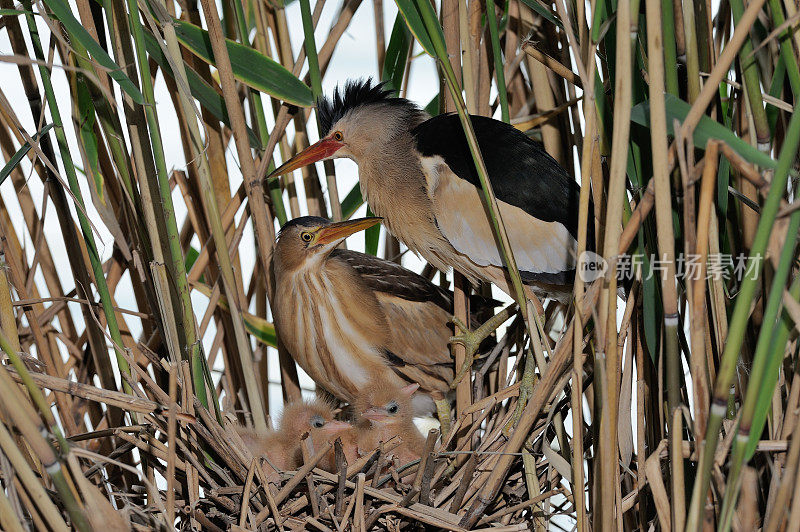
(529,48)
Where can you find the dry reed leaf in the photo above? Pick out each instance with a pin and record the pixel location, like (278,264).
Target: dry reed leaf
(557,461)
(656,482)
(101,514)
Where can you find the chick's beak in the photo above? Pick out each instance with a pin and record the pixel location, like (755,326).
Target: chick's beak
(336,426)
(336,232)
(316,152)
(378,415)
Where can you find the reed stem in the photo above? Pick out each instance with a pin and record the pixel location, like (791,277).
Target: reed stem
(763,375)
(500,78)
(72,178)
(739,319)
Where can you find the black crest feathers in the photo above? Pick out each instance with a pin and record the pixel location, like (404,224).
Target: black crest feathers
(356,92)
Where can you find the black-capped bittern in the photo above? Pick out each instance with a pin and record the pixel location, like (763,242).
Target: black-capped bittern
(351,319)
(418,174)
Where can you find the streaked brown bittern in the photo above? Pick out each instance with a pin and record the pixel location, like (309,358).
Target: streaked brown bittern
(418,174)
(351,319)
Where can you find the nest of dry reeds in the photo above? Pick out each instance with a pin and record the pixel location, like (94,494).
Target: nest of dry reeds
(176,462)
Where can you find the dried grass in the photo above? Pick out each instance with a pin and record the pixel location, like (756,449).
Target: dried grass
(101,429)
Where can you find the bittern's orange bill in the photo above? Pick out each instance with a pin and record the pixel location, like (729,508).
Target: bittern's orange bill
(319,151)
(336,232)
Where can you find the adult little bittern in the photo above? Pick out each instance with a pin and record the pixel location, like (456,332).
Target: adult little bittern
(418,174)
(351,319)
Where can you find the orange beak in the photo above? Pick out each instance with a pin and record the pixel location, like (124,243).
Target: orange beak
(378,415)
(338,231)
(316,152)
(336,426)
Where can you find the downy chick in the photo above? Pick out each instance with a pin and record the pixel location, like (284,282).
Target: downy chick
(283,447)
(387,411)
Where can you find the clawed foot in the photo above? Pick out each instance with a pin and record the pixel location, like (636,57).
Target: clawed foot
(472,340)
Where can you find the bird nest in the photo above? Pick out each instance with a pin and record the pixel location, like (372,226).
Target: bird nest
(179,464)
(372,492)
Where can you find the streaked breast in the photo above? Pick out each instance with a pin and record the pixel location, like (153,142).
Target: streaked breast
(332,332)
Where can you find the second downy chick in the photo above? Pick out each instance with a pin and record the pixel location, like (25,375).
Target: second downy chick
(387,411)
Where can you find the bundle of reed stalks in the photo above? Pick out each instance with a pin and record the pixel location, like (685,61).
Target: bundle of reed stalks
(135,321)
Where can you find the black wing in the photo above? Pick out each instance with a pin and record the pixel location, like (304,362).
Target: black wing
(522,173)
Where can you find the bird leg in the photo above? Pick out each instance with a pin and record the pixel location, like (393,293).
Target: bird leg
(443,413)
(525,391)
(472,340)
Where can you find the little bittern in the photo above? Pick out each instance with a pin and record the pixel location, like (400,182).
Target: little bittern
(282,447)
(388,412)
(351,319)
(418,174)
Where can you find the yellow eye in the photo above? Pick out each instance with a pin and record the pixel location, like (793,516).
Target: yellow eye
(306,236)
(338,136)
